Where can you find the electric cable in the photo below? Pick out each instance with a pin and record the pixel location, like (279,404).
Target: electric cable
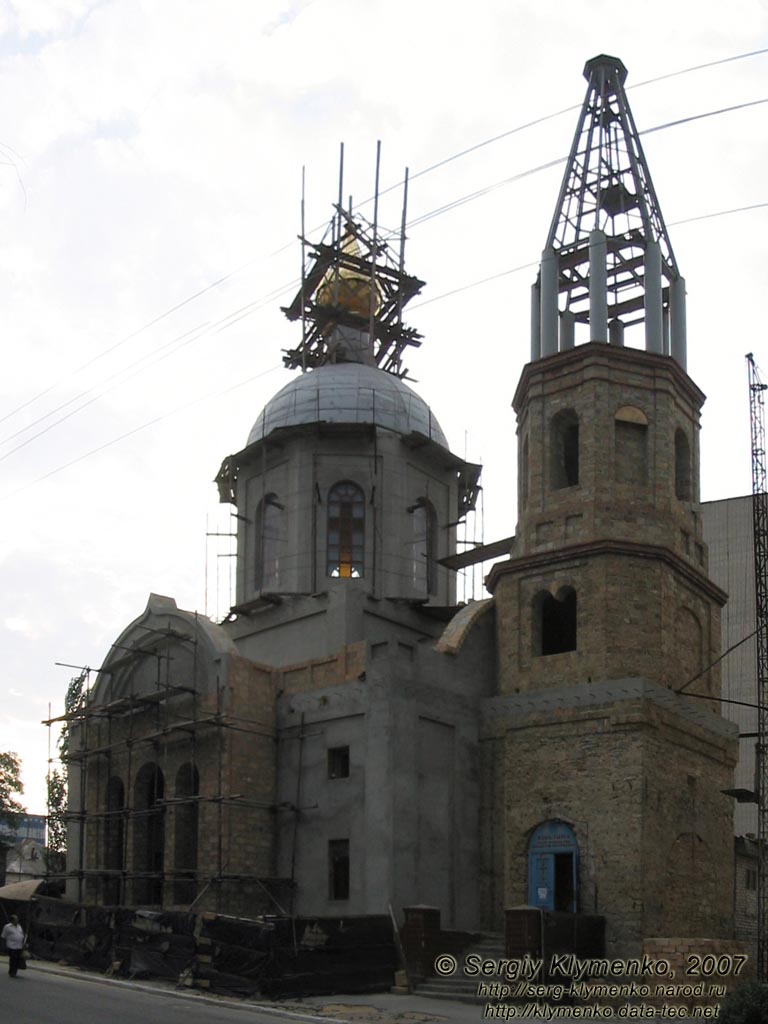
(424,171)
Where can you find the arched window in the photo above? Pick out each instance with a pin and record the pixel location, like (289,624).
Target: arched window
(149,835)
(346,531)
(631,445)
(423,561)
(269,542)
(554,622)
(114,835)
(185,838)
(683,489)
(564,450)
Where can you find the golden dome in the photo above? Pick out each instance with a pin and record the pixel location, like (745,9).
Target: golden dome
(347,288)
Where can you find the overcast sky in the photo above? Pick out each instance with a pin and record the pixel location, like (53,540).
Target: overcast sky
(150,180)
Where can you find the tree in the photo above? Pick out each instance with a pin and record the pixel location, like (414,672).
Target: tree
(10,783)
(58,780)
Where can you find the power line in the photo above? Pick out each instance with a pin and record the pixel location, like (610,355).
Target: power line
(130,337)
(719,213)
(136,430)
(213,395)
(424,171)
(479,193)
(197,333)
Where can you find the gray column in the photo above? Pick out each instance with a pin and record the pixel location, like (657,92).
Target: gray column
(598,287)
(567,330)
(549,282)
(678,330)
(654,331)
(535,322)
(616,333)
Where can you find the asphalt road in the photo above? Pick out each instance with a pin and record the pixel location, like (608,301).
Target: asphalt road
(51,994)
(39,997)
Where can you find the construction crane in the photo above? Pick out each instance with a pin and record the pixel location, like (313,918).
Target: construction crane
(760,537)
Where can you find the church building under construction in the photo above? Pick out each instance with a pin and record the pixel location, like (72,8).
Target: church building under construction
(350,738)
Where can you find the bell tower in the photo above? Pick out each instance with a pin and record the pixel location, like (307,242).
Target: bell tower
(611,743)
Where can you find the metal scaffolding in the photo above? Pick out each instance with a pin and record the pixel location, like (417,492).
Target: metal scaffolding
(104,741)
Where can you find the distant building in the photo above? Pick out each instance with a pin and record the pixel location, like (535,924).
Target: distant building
(23,848)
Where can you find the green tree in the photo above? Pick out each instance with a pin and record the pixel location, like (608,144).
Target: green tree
(57,812)
(58,781)
(10,783)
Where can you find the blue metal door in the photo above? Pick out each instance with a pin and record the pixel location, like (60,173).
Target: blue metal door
(550,839)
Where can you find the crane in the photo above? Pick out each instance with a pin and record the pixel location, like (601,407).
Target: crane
(760,539)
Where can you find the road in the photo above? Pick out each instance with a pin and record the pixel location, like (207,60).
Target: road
(40,997)
(50,994)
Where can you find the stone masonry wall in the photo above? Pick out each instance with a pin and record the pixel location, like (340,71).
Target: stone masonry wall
(638,614)
(617,774)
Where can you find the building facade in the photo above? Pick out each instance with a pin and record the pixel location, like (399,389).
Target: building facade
(351,738)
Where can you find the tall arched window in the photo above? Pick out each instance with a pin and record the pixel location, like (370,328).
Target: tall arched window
(269,542)
(185,835)
(564,450)
(114,834)
(346,531)
(554,622)
(423,561)
(149,835)
(683,491)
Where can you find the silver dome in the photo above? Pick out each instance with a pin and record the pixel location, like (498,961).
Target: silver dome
(348,393)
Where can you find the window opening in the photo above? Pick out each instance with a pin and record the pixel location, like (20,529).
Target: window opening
(554,625)
(424,547)
(338,869)
(346,531)
(338,763)
(564,452)
(149,835)
(269,542)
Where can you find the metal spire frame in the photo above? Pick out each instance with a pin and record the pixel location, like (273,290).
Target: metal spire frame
(607,187)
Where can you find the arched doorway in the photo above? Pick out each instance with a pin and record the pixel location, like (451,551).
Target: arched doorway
(553,867)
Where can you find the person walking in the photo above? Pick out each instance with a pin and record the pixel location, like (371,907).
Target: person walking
(13,936)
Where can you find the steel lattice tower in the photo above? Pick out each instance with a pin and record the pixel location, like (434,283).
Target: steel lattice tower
(608,261)
(760,536)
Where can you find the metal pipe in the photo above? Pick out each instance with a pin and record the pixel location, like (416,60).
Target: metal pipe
(567,330)
(535,322)
(665,331)
(598,287)
(549,275)
(654,330)
(678,330)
